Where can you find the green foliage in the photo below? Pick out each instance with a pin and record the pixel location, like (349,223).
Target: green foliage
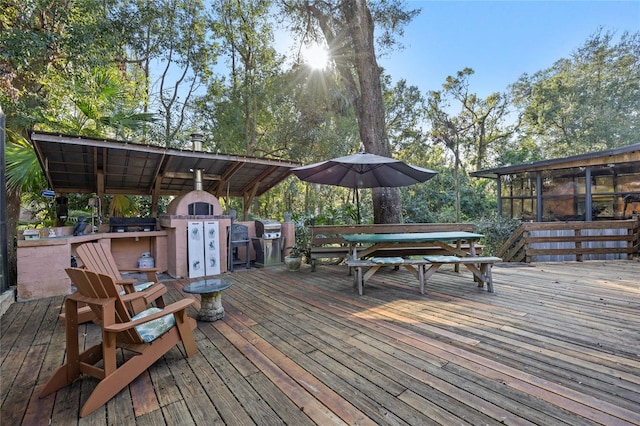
(520,152)
(496,231)
(391,16)
(241,110)
(40,210)
(133,205)
(473,136)
(46,43)
(587,102)
(434,200)
(302,246)
(23,172)
(480,128)
(96,102)
(404,109)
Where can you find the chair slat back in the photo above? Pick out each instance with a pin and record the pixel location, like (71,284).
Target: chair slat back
(100,286)
(96,257)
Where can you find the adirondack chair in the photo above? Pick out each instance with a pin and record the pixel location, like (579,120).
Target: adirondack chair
(96,257)
(148,335)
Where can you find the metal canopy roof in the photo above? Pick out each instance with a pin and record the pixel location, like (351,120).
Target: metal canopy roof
(77,164)
(625,154)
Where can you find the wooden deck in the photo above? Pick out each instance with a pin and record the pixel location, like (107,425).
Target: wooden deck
(558,343)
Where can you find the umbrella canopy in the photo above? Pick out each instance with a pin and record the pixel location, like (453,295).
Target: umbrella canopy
(363,170)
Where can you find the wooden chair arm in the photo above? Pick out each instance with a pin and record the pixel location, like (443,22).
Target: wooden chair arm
(133,296)
(127,285)
(154,294)
(151,272)
(101,302)
(170,309)
(125,297)
(140,270)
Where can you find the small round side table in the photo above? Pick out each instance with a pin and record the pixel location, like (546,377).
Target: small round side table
(210,290)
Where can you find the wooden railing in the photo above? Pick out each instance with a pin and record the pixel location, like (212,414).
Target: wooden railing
(549,241)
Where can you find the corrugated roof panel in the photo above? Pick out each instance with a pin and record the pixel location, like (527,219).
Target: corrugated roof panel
(73,164)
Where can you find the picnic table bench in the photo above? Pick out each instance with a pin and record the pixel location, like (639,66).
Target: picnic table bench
(415,266)
(424,268)
(327,242)
(478,265)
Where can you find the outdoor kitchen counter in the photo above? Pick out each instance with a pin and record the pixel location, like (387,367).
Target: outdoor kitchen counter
(42,262)
(66,239)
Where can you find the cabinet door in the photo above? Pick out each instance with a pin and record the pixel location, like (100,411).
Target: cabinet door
(195,246)
(212,248)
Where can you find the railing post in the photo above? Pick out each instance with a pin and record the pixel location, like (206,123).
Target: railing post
(578,233)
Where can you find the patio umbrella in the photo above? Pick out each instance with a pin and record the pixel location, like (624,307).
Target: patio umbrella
(363,170)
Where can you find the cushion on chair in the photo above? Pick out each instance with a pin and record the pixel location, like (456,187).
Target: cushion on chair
(439,259)
(384,260)
(143,286)
(139,287)
(151,330)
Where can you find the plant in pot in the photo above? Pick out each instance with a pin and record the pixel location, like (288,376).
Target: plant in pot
(293,260)
(301,248)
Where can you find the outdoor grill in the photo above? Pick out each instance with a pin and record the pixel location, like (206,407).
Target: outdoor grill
(267,242)
(268,229)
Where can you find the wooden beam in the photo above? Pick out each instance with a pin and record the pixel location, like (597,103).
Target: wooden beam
(100,183)
(217,189)
(188,175)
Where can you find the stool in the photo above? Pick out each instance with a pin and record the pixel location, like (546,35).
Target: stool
(238,237)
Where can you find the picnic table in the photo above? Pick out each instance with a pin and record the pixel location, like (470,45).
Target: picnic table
(421,268)
(412,240)
(327,242)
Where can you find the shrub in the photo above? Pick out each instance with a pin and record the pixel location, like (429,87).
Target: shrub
(496,231)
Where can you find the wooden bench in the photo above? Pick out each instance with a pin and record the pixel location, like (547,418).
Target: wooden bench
(424,268)
(479,266)
(327,242)
(415,266)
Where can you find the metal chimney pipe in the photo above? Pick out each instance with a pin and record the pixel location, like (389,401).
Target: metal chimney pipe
(197,179)
(196,140)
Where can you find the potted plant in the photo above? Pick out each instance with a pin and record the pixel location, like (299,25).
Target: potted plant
(293,260)
(301,248)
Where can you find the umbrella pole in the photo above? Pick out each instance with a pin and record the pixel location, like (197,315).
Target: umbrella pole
(358,204)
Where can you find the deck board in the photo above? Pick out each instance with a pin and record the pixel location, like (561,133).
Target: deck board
(557,343)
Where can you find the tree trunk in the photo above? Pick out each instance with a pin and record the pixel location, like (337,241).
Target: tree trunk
(370,108)
(13,214)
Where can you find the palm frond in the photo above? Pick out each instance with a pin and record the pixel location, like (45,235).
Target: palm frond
(23,172)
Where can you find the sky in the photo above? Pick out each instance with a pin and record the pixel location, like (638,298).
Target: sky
(499,40)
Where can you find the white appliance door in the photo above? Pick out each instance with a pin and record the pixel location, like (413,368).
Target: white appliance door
(212,248)
(195,247)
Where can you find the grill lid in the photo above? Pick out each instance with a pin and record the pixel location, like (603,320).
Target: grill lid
(268,228)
